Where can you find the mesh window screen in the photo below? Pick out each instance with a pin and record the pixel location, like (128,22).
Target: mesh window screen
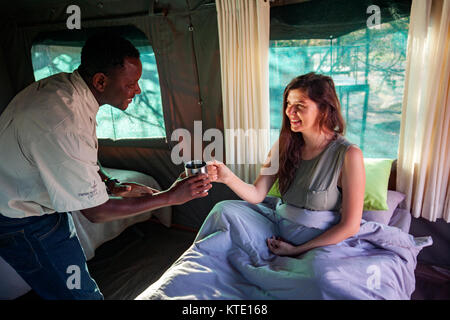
(368,68)
(143,118)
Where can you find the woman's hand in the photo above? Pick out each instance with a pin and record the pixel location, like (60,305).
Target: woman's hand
(282,248)
(218,172)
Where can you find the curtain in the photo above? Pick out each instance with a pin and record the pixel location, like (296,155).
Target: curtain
(244,60)
(423,160)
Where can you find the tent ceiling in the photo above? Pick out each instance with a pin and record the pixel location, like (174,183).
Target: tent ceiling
(324,19)
(320,13)
(29,12)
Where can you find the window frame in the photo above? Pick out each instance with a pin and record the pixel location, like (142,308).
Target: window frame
(57,37)
(340,88)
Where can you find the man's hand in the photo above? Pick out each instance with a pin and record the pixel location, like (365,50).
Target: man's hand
(131,190)
(185,189)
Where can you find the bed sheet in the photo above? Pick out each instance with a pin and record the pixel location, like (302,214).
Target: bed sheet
(229,259)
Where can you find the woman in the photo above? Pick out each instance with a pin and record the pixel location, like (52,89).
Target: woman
(329,252)
(315,163)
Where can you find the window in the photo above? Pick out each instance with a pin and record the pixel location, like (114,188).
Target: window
(368,68)
(143,118)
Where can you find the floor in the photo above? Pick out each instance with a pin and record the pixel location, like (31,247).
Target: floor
(147,249)
(432,283)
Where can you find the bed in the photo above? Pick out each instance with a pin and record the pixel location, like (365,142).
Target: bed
(229,258)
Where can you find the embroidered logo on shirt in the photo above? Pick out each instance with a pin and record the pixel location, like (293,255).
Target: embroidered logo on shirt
(90,194)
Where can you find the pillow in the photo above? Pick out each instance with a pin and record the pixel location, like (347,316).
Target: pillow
(393,200)
(274,191)
(377,180)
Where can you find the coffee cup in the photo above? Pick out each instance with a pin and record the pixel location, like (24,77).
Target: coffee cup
(194,167)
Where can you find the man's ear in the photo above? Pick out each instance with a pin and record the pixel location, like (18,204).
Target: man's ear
(99,81)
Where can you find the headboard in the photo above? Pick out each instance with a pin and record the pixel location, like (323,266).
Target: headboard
(393,177)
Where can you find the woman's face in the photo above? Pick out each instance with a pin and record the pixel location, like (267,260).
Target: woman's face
(302,112)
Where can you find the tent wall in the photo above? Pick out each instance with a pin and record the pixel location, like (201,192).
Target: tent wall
(325,19)
(16,71)
(6,90)
(181,33)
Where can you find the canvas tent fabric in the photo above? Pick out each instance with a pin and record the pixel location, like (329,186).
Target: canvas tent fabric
(324,19)
(181,33)
(17,71)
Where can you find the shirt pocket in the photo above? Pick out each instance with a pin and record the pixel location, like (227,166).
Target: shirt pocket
(317,199)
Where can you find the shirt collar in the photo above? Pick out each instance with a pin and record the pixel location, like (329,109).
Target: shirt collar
(86,94)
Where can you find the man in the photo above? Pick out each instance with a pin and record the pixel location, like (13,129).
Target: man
(48,168)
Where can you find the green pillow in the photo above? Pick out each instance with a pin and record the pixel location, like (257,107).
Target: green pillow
(274,191)
(377,180)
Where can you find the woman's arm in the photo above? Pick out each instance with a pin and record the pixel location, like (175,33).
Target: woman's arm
(253,193)
(353,183)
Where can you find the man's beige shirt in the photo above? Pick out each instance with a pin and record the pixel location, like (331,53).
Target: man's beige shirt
(48,149)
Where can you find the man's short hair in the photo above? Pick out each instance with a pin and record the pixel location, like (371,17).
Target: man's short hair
(105,51)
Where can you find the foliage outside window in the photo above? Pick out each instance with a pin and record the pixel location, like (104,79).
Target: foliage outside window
(368,68)
(143,117)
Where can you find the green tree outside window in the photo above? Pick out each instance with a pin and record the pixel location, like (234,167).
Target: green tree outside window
(368,68)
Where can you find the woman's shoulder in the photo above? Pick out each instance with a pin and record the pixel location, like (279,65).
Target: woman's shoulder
(351,157)
(347,150)
(353,153)
(344,145)
(342,141)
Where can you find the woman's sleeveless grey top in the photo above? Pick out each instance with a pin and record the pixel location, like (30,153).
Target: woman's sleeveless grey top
(315,184)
